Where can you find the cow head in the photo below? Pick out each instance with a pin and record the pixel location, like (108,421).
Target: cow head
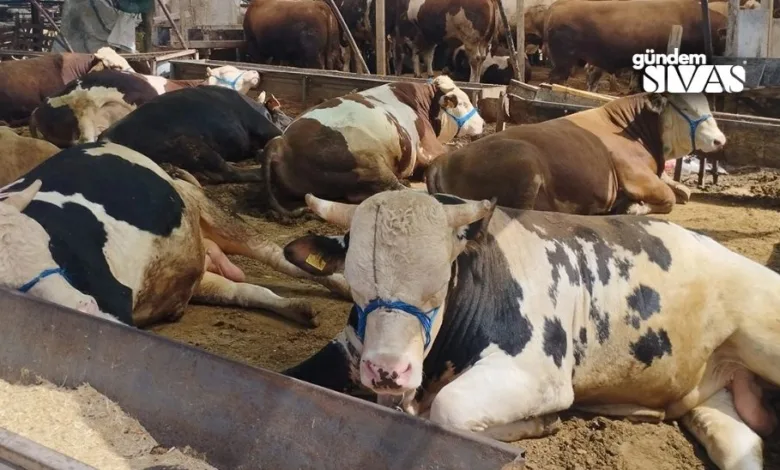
(94,109)
(687,124)
(458,117)
(398,263)
(110,59)
(230,77)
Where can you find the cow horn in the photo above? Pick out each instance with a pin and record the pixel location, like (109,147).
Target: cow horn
(22,199)
(261,97)
(336,213)
(459,215)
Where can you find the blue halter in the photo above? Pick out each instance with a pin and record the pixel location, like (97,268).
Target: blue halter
(426,318)
(693,123)
(43,275)
(231,83)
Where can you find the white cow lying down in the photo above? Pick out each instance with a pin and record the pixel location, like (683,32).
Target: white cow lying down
(494,320)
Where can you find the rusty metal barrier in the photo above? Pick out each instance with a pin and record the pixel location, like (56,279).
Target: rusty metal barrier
(240,416)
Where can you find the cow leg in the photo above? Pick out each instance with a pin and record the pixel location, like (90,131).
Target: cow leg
(649,195)
(633,413)
(592,76)
(428,57)
(613,83)
(346,55)
(235,237)
(729,442)
(476,60)
(681,192)
(504,400)
(217,290)
(227,173)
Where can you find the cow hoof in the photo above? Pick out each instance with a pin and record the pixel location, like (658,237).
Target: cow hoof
(301,311)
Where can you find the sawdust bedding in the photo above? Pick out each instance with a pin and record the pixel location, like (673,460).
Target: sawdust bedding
(85,425)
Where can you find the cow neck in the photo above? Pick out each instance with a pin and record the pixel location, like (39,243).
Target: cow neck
(75,65)
(635,121)
(434,109)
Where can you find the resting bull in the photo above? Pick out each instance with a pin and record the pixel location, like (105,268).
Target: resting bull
(605,159)
(363,143)
(199,130)
(91,104)
(102,229)
(25,83)
(493,320)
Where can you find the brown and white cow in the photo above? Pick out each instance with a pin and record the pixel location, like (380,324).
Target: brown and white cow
(595,32)
(602,160)
(18,154)
(102,229)
(363,143)
(25,83)
(472,22)
(492,320)
(91,104)
(301,33)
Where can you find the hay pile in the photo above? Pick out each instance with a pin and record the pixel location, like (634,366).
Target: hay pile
(87,426)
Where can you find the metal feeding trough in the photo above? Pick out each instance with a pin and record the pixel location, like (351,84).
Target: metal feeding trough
(240,416)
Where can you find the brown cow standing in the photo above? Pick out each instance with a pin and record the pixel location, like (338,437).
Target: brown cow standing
(25,83)
(301,32)
(607,34)
(605,159)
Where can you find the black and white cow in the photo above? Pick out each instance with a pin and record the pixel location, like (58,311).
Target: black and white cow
(494,320)
(102,229)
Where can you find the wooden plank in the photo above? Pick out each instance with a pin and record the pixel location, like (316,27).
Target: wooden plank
(287,82)
(520,52)
(18,452)
(213,44)
(380,34)
(706,29)
(732,34)
(513,54)
(675,39)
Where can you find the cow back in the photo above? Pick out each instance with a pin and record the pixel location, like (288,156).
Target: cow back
(207,118)
(124,191)
(24,83)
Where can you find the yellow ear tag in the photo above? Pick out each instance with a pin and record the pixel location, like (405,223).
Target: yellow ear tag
(316,261)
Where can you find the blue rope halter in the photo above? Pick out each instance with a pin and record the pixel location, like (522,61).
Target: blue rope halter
(43,275)
(231,83)
(425,318)
(693,123)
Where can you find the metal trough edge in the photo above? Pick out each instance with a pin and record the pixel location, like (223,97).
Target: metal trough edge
(18,452)
(240,416)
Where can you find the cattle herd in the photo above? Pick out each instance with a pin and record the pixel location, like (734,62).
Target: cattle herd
(467,38)
(524,280)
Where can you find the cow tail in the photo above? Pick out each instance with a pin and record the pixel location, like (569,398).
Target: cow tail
(273,153)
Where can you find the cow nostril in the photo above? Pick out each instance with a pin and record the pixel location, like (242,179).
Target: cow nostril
(718,143)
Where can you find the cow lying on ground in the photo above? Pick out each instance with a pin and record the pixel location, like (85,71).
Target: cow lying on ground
(232,77)
(91,104)
(595,32)
(605,159)
(199,130)
(300,33)
(18,154)
(364,143)
(502,318)
(25,83)
(101,228)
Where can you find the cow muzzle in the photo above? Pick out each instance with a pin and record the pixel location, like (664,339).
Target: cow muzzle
(387,373)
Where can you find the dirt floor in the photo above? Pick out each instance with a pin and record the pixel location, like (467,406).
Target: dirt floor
(741,212)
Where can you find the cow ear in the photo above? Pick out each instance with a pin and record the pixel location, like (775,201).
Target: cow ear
(318,255)
(656,102)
